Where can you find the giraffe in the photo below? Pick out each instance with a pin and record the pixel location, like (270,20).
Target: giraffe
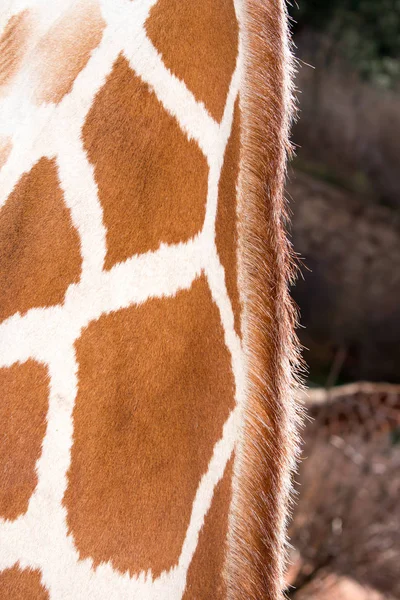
(147,354)
(346,518)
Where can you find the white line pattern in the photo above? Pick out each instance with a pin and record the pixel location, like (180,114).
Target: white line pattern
(39,538)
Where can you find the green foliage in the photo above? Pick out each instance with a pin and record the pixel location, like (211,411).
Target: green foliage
(396,436)
(366,31)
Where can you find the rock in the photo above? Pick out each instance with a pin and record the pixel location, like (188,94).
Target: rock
(350,294)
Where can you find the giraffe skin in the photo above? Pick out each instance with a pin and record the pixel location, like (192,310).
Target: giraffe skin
(135,380)
(346,518)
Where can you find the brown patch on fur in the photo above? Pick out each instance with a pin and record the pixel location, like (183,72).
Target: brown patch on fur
(23,410)
(66,48)
(146,422)
(13,45)
(152,180)
(5,149)
(266,452)
(204,578)
(226,222)
(22,584)
(39,248)
(199,44)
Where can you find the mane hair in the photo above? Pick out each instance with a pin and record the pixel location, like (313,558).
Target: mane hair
(267,448)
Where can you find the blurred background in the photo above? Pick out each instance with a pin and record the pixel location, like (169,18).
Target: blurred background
(344,194)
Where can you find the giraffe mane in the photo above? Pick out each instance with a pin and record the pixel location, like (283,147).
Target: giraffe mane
(268,444)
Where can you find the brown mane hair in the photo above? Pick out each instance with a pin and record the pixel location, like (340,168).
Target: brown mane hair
(268,441)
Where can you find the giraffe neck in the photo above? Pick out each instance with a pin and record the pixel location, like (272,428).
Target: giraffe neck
(146,337)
